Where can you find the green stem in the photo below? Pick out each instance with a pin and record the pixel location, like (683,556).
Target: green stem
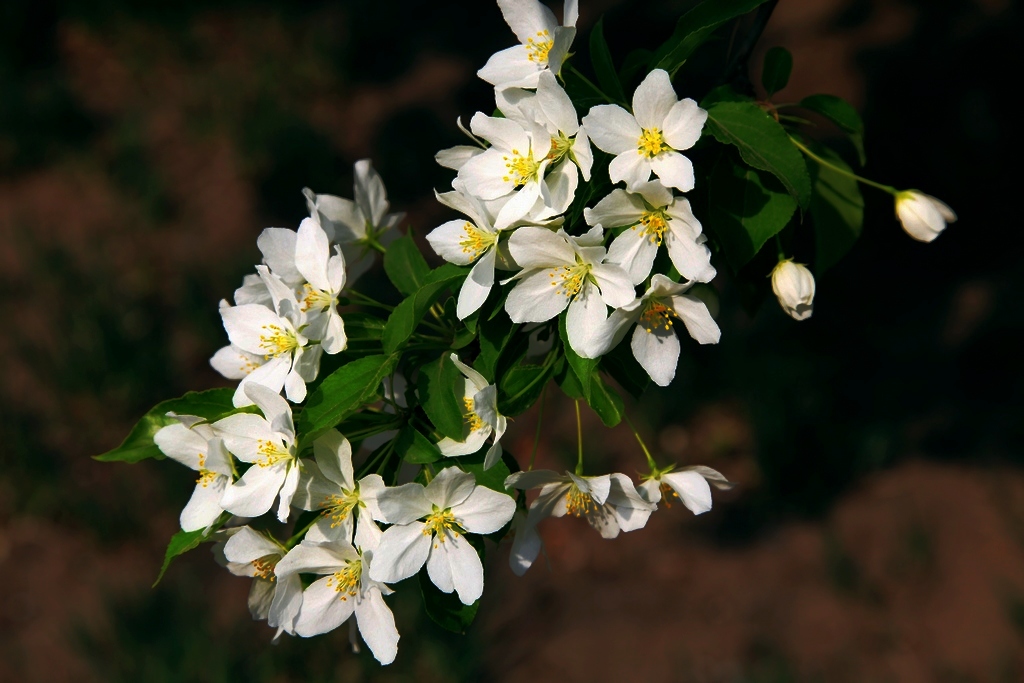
(579,442)
(779,249)
(838,169)
(593,87)
(367,301)
(536,436)
(650,460)
(290,543)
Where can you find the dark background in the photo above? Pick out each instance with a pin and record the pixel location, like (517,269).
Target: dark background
(878,529)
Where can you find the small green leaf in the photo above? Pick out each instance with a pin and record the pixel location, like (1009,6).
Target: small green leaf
(601,58)
(778,64)
(694,27)
(362,327)
(583,368)
(342,393)
(441,387)
(495,335)
(837,211)
(840,112)
(724,93)
(183,541)
(605,401)
(408,314)
(762,143)
(414,447)
(446,609)
(520,387)
(138,445)
(568,382)
(747,209)
(405,265)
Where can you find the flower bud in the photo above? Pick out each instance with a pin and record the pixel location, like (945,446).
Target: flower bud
(793,284)
(922,216)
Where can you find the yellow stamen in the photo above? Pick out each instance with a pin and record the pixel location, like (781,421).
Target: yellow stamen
(476,241)
(263,568)
(271,453)
(569,279)
(578,503)
(653,225)
(346,581)
(277,341)
(339,506)
(560,146)
(537,49)
(651,143)
(472,419)
(667,494)
(316,299)
(657,315)
(520,168)
(438,522)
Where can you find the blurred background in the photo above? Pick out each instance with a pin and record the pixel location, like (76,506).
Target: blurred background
(877,533)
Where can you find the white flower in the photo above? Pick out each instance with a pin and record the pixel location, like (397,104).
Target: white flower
(559,271)
(274,335)
(654,343)
(345,589)
(793,284)
(429,523)
(329,484)
(922,216)
(195,444)
(455,157)
(543,43)
(356,224)
(688,484)
(526,544)
(480,402)
(269,444)
(649,139)
(654,216)
(551,107)
(609,502)
(324,275)
(250,553)
(516,162)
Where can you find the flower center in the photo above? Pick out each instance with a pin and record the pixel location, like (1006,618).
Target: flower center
(472,419)
(475,240)
(651,143)
(440,521)
(263,568)
(537,48)
(277,341)
(346,581)
(339,506)
(656,316)
(519,169)
(560,146)
(316,299)
(271,453)
(667,494)
(578,503)
(653,225)
(569,279)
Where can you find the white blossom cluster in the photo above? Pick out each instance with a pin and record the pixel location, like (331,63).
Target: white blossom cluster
(515,184)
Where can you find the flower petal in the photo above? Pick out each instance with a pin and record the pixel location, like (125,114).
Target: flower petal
(634,252)
(403,504)
(278,248)
(401,553)
(323,609)
(629,167)
(203,507)
(674,170)
(616,209)
(377,626)
(693,490)
(333,454)
(684,124)
(534,299)
(612,129)
(657,351)
(312,252)
(697,319)
(653,100)
(484,511)
(450,487)
(476,287)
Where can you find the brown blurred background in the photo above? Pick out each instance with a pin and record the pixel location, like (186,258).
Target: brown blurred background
(878,530)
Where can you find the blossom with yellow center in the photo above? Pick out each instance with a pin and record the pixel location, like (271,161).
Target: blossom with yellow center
(690,485)
(273,596)
(482,419)
(196,444)
(543,44)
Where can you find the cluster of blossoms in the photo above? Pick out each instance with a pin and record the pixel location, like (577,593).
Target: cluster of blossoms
(586,215)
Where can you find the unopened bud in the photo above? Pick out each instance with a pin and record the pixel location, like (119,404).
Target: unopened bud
(922,216)
(793,284)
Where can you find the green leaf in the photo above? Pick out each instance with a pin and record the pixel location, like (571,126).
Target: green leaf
(446,609)
(568,382)
(837,211)
(778,64)
(405,265)
(408,314)
(724,93)
(747,209)
(362,327)
(183,541)
(583,368)
(694,27)
(840,112)
(495,335)
(138,445)
(762,143)
(441,387)
(520,387)
(342,393)
(493,478)
(414,447)
(605,401)
(601,58)
(624,369)
(635,63)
